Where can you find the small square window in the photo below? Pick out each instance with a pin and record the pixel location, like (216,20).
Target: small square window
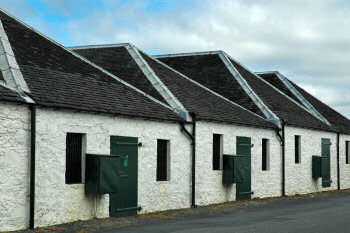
(163,160)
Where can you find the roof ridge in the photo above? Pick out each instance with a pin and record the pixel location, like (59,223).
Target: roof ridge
(86,60)
(156,81)
(270,115)
(187,54)
(206,88)
(302,99)
(98,46)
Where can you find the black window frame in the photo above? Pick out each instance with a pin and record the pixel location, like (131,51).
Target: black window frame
(297,149)
(74,158)
(265,154)
(217,151)
(163,160)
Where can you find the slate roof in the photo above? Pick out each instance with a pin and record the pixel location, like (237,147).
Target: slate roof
(118,60)
(210,71)
(195,66)
(338,120)
(9,95)
(57,78)
(194,98)
(276,82)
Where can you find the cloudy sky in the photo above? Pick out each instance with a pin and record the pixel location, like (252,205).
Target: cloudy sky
(307,40)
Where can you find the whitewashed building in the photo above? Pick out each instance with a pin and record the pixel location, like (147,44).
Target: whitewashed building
(107,130)
(220,125)
(66,121)
(56,108)
(307,126)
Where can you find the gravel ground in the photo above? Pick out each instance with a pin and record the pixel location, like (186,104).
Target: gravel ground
(144,220)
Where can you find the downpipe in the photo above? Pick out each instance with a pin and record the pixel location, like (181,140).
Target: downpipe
(192,137)
(338,162)
(282,138)
(32,165)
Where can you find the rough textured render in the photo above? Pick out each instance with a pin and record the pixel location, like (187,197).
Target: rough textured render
(209,187)
(14,166)
(57,202)
(299,176)
(344,168)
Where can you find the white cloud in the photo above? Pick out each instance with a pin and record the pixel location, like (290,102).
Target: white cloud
(308,41)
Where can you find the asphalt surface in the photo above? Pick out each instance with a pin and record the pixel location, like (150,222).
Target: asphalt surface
(322,212)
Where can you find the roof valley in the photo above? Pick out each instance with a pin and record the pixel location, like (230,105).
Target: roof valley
(157,83)
(269,114)
(300,97)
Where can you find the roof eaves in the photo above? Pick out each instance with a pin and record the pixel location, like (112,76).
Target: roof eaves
(299,96)
(250,92)
(273,126)
(207,89)
(156,81)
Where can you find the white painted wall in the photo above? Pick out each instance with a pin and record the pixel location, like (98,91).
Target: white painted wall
(299,176)
(57,202)
(209,188)
(344,168)
(14,166)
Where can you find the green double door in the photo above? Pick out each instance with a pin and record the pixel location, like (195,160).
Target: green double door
(326,162)
(124,202)
(243,167)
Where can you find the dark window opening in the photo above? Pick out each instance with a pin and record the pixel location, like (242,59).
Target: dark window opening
(347,151)
(74,158)
(217,151)
(297,149)
(163,160)
(265,154)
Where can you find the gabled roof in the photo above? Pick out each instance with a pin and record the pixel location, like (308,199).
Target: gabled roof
(192,96)
(336,119)
(207,68)
(57,77)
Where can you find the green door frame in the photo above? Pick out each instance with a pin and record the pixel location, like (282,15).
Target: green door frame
(243,149)
(326,162)
(124,202)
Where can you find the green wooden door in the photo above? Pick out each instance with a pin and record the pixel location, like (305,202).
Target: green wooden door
(326,162)
(124,202)
(243,185)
